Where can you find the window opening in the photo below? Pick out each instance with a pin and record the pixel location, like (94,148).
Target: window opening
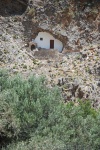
(41,39)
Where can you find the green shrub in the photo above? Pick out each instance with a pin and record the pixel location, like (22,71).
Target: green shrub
(24,103)
(33,116)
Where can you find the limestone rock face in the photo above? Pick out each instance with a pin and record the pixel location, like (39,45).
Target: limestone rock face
(76,24)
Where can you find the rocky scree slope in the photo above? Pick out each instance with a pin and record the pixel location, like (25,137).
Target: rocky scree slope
(77,74)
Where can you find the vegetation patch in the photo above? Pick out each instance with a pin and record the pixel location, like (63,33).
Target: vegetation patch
(33,116)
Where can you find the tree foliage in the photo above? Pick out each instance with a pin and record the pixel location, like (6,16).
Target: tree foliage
(34,116)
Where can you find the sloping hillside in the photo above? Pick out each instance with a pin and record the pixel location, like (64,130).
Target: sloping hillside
(76,24)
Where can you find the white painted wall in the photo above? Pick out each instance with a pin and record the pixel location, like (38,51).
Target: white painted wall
(46,41)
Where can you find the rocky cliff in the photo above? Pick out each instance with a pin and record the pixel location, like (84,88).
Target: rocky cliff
(75,23)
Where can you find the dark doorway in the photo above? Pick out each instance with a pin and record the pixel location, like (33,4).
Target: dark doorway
(51,43)
(33,47)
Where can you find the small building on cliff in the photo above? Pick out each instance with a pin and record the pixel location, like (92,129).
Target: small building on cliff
(47,41)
